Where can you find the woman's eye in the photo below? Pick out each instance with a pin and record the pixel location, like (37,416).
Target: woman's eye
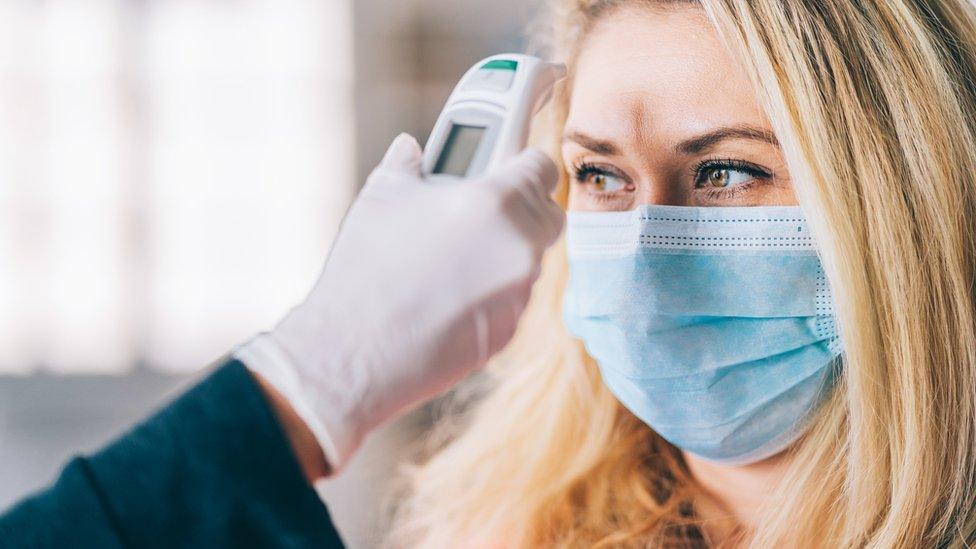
(727,174)
(599,180)
(726,177)
(606,182)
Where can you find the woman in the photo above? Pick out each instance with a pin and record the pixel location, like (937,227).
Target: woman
(861,112)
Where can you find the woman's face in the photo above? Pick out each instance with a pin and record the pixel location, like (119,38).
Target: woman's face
(660,114)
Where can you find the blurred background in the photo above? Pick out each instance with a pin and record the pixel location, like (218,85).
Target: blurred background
(171,175)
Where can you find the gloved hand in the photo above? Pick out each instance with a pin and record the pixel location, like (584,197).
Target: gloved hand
(424,282)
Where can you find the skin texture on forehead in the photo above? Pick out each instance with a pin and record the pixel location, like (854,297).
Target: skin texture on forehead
(648,80)
(669,72)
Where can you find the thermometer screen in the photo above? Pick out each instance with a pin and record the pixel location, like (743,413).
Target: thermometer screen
(459,148)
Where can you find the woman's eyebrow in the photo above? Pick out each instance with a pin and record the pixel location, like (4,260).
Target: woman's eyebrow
(599,146)
(693,145)
(707,140)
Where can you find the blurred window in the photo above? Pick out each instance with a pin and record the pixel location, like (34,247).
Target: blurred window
(171,174)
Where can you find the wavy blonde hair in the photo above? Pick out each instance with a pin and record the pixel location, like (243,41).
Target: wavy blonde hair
(874,104)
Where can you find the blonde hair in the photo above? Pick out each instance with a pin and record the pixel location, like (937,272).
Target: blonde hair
(874,104)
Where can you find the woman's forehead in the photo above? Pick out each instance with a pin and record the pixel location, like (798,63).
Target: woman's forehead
(658,72)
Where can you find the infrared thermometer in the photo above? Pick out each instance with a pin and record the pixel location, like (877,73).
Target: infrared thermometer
(486,118)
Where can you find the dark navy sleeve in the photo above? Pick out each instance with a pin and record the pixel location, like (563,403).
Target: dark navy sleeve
(212,469)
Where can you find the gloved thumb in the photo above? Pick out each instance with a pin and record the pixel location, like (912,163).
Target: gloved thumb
(403,156)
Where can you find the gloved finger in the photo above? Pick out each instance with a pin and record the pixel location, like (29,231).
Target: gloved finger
(526,181)
(503,313)
(531,169)
(550,215)
(547,175)
(555,218)
(541,220)
(403,156)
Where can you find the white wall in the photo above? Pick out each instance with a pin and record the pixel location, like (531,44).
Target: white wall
(171,174)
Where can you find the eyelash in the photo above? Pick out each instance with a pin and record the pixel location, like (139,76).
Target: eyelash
(584,169)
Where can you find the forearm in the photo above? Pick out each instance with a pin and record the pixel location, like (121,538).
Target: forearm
(211,469)
(303,443)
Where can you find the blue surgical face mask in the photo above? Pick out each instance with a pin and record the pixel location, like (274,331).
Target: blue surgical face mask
(713,325)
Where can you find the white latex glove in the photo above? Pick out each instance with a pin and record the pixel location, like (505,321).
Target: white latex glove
(424,282)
